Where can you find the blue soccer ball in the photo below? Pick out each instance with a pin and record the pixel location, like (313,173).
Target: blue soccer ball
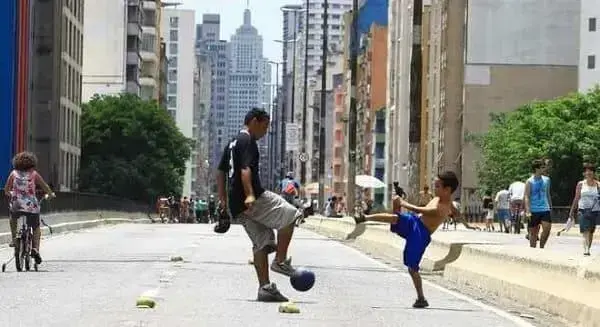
(302,280)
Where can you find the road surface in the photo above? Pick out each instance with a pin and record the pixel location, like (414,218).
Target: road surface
(93,277)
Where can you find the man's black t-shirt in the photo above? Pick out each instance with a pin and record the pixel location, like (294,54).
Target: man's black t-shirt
(242,152)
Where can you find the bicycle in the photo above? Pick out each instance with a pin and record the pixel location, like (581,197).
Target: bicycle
(23,244)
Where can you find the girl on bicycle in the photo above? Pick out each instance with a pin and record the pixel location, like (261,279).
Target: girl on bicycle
(21,187)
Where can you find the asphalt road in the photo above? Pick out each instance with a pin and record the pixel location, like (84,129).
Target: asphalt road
(93,277)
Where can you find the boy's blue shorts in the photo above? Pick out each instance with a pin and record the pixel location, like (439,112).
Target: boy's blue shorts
(410,227)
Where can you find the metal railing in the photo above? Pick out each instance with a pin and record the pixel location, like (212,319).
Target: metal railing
(81,202)
(477,214)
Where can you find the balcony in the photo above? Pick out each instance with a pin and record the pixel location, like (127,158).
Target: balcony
(134,29)
(132,87)
(149,29)
(148,80)
(133,58)
(149,56)
(149,4)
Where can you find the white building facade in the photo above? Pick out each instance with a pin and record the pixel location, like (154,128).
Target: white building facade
(111,54)
(589,43)
(178,28)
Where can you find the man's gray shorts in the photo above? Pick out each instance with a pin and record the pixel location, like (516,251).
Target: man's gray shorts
(269,212)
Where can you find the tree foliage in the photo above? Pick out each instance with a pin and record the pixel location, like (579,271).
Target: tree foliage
(565,130)
(131,148)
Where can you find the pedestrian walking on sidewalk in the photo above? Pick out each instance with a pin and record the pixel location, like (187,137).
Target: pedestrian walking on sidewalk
(538,204)
(586,207)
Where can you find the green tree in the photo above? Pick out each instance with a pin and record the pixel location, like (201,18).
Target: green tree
(565,130)
(131,148)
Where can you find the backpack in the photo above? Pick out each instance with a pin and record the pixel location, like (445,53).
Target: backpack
(288,188)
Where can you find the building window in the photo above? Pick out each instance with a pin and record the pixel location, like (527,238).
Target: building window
(172,88)
(172,102)
(592,24)
(174,22)
(174,35)
(173,75)
(173,48)
(173,62)
(591,62)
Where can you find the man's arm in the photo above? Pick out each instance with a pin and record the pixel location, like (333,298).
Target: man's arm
(575,200)
(526,199)
(549,196)
(224,167)
(247,156)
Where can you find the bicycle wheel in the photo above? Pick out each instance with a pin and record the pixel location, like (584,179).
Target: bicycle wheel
(26,250)
(18,261)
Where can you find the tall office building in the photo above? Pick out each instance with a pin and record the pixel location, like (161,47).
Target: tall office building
(335,11)
(208,41)
(178,28)
(150,49)
(201,115)
(55,95)
(249,79)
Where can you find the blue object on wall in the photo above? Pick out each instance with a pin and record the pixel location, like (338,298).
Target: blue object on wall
(370,12)
(8,34)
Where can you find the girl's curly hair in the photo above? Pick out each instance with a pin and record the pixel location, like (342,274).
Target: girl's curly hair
(24,161)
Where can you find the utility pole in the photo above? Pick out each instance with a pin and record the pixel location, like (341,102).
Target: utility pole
(286,84)
(293,106)
(323,108)
(352,128)
(305,104)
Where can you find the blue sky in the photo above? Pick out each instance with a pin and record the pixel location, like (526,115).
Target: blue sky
(266,17)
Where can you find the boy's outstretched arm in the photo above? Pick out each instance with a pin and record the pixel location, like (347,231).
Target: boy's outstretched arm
(427,210)
(458,216)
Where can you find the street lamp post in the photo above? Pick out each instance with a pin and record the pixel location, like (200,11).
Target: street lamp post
(305,100)
(293,101)
(323,108)
(273,166)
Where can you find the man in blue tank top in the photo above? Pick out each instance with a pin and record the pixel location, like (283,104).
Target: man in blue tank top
(537,204)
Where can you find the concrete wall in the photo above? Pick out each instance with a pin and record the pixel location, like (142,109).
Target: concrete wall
(104,48)
(509,87)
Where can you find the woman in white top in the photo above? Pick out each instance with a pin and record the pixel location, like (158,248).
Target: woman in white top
(587,206)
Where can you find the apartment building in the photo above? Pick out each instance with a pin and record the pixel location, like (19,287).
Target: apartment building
(494,63)
(178,28)
(589,43)
(55,94)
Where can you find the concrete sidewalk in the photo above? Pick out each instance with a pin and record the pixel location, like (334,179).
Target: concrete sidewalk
(499,263)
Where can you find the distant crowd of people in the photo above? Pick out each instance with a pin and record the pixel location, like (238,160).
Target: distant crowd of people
(174,209)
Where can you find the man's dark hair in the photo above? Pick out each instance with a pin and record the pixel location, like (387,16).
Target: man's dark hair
(449,179)
(256,113)
(589,166)
(537,164)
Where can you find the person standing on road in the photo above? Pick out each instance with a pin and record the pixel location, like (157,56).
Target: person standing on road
(260,211)
(488,209)
(502,202)
(290,188)
(538,204)
(517,194)
(585,203)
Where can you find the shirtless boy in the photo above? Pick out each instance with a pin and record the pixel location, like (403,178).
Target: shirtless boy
(417,225)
